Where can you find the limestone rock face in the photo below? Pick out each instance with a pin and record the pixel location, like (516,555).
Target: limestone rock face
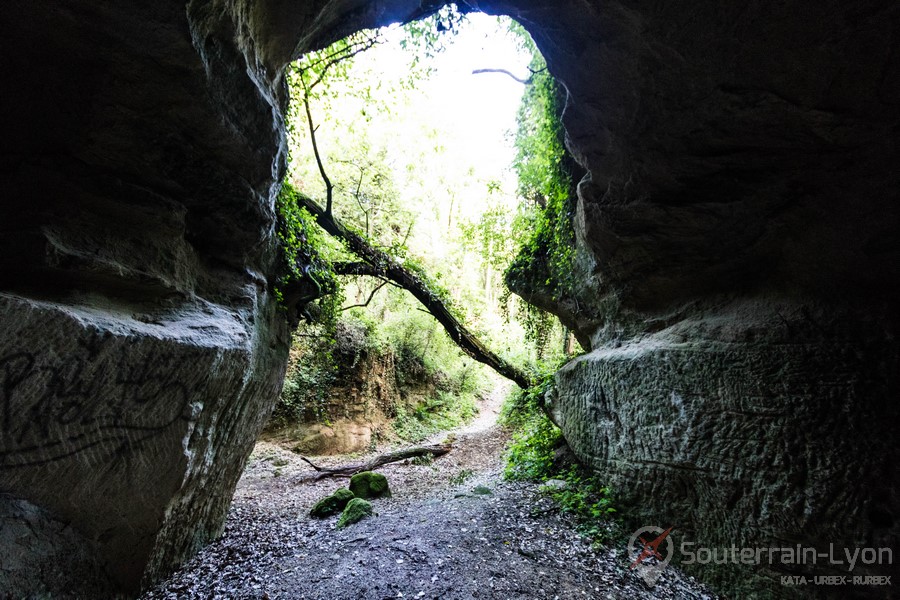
(31,541)
(738,240)
(141,347)
(745,430)
(738,247)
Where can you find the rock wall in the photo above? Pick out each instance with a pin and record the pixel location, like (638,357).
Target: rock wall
(759,425)
(737,232)
(141,347)
(738,247)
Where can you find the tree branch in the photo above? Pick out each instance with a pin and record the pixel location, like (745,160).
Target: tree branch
(329,188)
(354,268)
(381,264)
(369,299)
(379,461)
(342,54)
(504,72)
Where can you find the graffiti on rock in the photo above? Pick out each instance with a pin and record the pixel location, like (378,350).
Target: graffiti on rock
(108,394)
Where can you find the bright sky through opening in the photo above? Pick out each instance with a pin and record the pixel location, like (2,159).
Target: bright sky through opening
(479,110)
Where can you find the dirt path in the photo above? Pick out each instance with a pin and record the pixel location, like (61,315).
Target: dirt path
(436,538)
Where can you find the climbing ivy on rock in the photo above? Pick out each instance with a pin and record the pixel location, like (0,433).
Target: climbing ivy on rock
(535,453)
(545,260)
(304,275)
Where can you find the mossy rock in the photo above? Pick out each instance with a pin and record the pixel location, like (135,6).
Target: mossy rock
(369,485)
(356,510)
(333,504)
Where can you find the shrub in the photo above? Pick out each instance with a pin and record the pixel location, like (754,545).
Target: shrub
(532,456)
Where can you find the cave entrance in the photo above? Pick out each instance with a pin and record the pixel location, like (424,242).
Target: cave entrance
(424,162)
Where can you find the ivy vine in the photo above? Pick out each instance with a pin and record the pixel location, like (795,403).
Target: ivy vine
(545,259)
(302,271)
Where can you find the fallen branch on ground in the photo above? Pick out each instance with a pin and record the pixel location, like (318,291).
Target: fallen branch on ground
(379,461)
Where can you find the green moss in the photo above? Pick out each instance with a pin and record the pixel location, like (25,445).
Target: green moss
(369,485)
(300,247)
(357,510)
(333,504)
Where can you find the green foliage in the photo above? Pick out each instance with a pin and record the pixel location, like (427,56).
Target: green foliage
(589,500)
(423,351)
(302,249)
(539,139)
(491,236)
(383,183)
(531,456)
(544,263)
(425,460)
(311,373)
(427,365)
(438,413)
(301,245)
(427,37)
(461,477)
(585,495)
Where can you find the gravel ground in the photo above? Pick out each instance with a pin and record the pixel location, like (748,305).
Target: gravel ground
(436,538)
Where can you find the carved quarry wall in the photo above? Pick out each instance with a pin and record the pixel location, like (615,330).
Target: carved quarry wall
(737,237)
(141,348)
(738,246)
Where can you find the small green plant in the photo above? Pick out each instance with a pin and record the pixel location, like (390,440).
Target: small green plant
(302,267)
(311,373)
(531,456)
(589,500)
(461,477)
(426,460)
(544,263)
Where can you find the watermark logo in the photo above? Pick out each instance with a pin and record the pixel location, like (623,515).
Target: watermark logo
(644,550)
(651,549)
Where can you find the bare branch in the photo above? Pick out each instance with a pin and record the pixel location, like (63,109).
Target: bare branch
(504,72)
(369,299)
(329,187)
(408,232)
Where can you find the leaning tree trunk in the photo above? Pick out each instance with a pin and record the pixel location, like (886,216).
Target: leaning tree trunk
(380,264)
